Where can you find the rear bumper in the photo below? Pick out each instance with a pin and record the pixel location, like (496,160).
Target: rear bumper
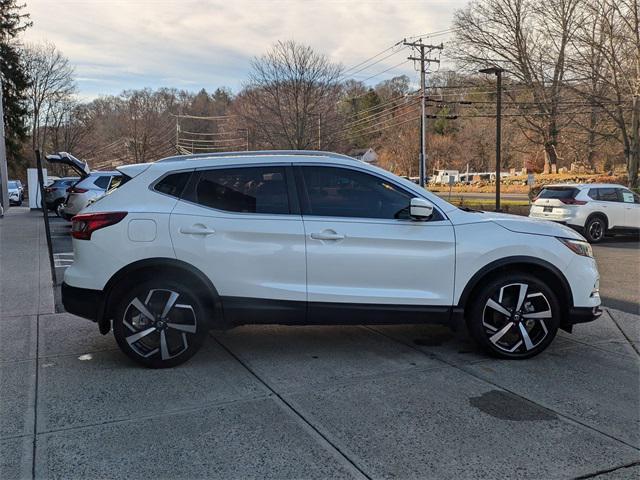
(583,314)
(83,302)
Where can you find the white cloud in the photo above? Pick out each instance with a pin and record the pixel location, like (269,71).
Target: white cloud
(191,44)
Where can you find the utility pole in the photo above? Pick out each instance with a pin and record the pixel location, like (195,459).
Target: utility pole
(4,192)
(497,71)
(423,50)
(319,132)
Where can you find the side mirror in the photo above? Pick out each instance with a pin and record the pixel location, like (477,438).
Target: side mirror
(420,209)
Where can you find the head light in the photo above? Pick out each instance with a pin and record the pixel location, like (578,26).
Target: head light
(578,246)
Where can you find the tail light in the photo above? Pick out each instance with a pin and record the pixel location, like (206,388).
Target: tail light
(76,190)
(85,224)
(572,201)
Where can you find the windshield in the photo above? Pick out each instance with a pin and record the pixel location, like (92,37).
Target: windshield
(558,192)
(12,184)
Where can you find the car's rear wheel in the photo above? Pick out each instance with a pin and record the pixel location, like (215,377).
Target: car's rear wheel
(515,316)
(160,323)
(58,207)
(595,229)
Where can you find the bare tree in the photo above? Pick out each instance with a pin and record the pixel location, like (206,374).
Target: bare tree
(607,52)
(51,83)
(529,40)
(292,91)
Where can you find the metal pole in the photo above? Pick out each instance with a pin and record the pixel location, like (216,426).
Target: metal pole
(46,215)
(319,132)
(4,175)
(498,136)
(423,121)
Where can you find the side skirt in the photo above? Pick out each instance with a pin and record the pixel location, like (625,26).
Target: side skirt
(242,311)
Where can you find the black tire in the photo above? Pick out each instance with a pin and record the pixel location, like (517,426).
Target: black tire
(183,328)
(595,229)
(503,336)
(57,207)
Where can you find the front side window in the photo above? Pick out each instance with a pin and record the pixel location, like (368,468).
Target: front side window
(246,190)
(627,196)
(341,192)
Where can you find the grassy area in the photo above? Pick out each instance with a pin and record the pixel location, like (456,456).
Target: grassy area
(516,207)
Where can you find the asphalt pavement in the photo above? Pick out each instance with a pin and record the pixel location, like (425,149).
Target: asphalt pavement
(414,401)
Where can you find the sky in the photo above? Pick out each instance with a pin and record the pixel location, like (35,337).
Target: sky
(115,45)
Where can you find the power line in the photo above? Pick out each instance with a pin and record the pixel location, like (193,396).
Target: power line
(371,58)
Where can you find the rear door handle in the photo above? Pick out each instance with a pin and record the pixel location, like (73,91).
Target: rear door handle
(327,235)
(197,230)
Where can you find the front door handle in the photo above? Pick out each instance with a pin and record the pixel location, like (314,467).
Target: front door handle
(197,230)
(327,235)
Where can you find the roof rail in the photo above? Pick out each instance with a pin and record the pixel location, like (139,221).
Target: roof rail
(258,153)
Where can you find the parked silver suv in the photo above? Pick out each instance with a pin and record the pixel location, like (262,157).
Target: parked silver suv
(89,188)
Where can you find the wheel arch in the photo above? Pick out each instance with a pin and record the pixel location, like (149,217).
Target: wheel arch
(142,269)
(547,271)
(598,213)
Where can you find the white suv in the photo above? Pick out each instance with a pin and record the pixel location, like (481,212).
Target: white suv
(191,243)
(595,209)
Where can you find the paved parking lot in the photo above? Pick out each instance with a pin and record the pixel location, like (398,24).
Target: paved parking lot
(305,402)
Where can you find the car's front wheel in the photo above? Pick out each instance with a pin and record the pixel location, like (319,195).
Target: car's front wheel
(516,316)
(160,323)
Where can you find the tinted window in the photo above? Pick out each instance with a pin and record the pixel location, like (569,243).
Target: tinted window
(608,194)
(173,184)
(247,189)
(558,192)
(593,193)
(102,182)
(340,192)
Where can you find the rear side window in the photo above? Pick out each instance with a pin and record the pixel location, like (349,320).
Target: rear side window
(173,184)
(102,181)
(558,192)
(246,190)
(608,194)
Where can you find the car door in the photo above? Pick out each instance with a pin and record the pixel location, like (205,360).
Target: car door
(631,203)
(364,250)
(610,202)
(242,228)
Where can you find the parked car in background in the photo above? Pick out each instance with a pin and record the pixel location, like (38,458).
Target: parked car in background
(593,209)
(86,190)
(16,192)
(191,243)
(56,193)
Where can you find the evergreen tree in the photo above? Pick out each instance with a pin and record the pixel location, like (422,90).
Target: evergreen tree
(13,76)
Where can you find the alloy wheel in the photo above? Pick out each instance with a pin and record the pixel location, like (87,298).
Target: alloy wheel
(514,318)
(596,230)
(159,325)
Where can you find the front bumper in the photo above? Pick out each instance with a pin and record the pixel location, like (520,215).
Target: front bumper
(83,302)
(583,314)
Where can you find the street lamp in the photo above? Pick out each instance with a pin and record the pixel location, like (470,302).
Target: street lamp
(497,71)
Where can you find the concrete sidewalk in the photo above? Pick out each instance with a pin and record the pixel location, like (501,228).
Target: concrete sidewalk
(304,402)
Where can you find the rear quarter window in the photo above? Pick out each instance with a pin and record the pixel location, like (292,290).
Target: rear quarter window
(102,181)
(173,184)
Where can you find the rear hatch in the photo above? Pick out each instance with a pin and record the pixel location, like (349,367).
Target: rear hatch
(555,203)
(64,158)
